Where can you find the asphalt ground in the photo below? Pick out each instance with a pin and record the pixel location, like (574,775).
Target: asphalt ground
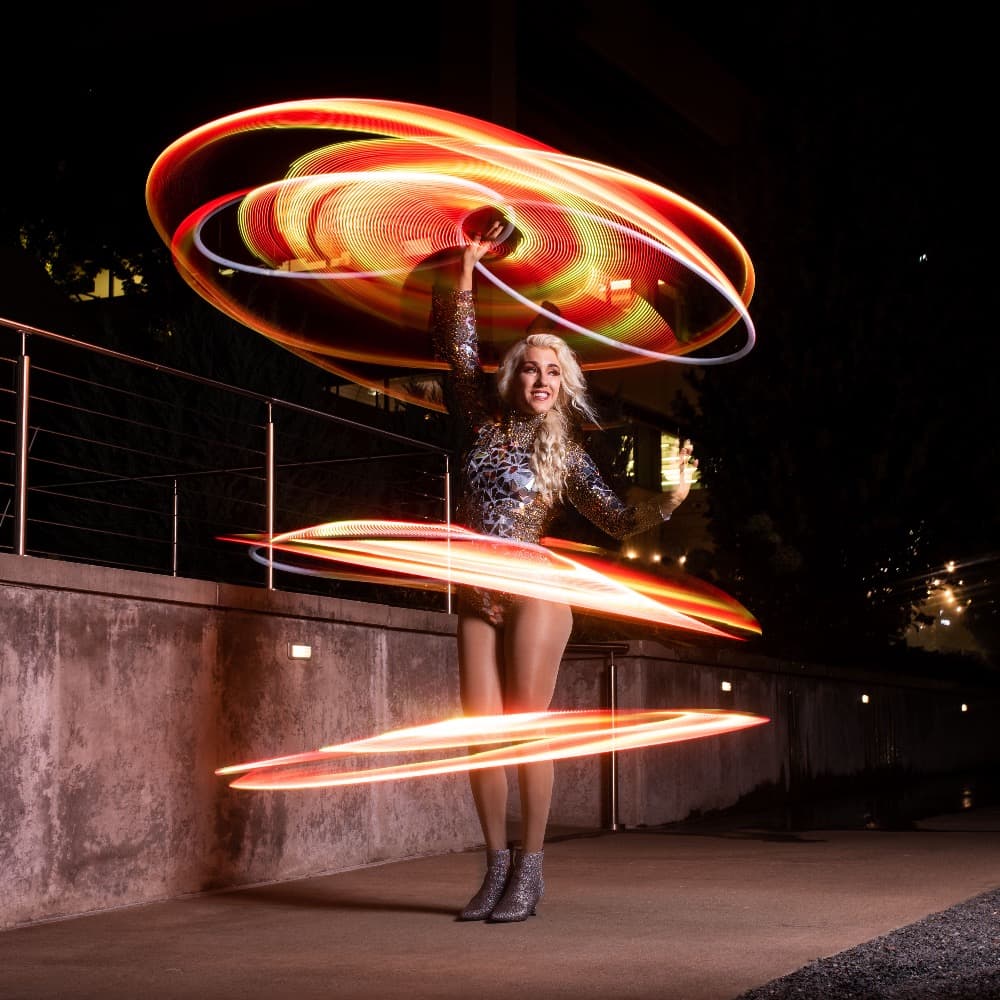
(713,911)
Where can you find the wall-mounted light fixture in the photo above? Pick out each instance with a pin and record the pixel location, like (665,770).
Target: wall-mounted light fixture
(299,651)
(965,708)
(727,686)
(865,699)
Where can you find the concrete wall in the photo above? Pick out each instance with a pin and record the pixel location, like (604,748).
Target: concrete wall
(122,692)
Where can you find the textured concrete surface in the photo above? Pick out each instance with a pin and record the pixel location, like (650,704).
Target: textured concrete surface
(122,693)
(635,914)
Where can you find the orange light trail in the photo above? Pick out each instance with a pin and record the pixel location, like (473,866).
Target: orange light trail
(537,736)
(405,551)
(360,221)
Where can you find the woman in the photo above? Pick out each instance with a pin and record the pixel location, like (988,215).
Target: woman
(523,464)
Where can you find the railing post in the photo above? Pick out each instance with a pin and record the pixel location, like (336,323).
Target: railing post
(21,448)
(174,533)
(612,758)
(270,494)
(447,521)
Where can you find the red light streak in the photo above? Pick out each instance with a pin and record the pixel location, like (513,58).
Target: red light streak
(538,736)
(407,551)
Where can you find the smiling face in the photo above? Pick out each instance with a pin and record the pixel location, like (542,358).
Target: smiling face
(538,381)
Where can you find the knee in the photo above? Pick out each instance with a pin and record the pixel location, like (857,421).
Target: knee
(527,700)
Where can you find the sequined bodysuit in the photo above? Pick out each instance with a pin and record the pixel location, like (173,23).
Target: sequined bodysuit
(498,488)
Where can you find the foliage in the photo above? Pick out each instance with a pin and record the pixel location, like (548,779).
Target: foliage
(845,458)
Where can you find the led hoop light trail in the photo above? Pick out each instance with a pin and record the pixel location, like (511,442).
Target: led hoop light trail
(537,736)
(411,552)
(361,219)
(406,552)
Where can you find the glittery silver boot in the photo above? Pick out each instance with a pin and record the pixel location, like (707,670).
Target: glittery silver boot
(497,869)
(524,889)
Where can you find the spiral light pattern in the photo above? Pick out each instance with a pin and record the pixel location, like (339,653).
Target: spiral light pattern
(321,223)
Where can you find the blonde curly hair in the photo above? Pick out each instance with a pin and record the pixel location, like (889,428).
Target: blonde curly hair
(572,406)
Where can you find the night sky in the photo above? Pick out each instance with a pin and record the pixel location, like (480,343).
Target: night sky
(889,107)
(107,90)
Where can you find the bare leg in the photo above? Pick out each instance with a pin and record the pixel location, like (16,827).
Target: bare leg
(535,637)
(480,670)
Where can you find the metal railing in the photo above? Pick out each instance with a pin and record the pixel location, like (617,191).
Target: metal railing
(110,459)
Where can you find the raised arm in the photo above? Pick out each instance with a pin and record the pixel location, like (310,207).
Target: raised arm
(453,327)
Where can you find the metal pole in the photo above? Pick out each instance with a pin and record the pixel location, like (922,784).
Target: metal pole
(612,757)
(173,561)
(270,496)
(21,448)
(447,521)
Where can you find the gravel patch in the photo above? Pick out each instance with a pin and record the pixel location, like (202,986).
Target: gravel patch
(952,955)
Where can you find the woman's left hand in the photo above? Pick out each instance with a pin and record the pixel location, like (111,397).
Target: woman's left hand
(479,245)
(687,466)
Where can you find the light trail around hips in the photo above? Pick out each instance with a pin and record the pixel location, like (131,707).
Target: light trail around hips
(435,555)
(405,553)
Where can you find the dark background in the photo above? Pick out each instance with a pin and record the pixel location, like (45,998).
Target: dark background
(852,453)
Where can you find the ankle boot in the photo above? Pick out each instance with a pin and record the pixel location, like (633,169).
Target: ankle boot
(524,889)
(497,869)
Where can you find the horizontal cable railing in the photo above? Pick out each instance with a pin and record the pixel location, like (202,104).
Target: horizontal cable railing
(113,460)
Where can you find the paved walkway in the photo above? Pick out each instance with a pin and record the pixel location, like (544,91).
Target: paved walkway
(632,914)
